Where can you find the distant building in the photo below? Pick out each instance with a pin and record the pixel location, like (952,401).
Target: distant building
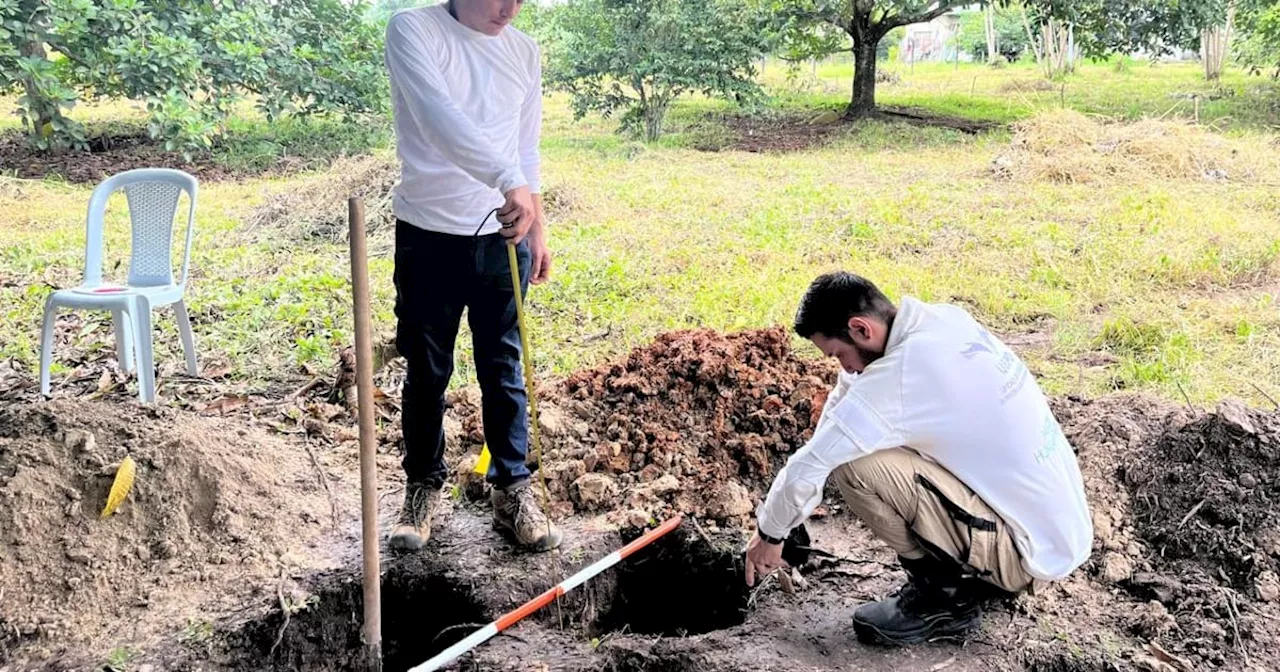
(932,41)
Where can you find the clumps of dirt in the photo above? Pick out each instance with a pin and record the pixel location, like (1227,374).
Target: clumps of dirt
(216,513)
(774,133)
(1206,494)
(1183,524)
(1066,146)
(696,422)
(793,132)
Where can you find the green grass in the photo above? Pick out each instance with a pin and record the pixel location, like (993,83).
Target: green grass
(1115,279)
(1009,94)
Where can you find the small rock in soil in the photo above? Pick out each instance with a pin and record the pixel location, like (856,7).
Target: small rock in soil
(1248,481)
(1116,567)
(1236,416)
(730,500)
(80,440)
(637,517)
(594,491)
(79,555)
(552,421)
(1102,528)
(1152,620)
(1268,585)
(1162,588)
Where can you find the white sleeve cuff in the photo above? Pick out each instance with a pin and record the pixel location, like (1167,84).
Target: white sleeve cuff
(511,178)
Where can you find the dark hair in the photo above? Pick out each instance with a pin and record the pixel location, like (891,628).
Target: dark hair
(833,298)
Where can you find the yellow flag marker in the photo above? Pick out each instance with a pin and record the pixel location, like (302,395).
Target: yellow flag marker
(482,465)
(121,486)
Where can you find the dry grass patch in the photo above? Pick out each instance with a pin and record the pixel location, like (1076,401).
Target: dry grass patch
(1065,146)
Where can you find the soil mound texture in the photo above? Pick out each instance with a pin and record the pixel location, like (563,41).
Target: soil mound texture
(696,422)
(1206,494)
(1183,523)
(213,507)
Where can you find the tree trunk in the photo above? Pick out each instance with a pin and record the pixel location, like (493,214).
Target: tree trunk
(37,104)
(1215,43)
(864,79)
(1057,44)
(654,113)
(993,46)
(1031,38)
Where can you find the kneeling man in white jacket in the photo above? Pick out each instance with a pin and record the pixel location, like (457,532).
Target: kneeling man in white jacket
(943,444)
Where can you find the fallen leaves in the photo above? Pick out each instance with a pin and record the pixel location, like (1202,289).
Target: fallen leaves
(223,405)
(1161,660)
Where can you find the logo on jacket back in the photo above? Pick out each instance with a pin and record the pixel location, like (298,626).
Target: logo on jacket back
(984,344)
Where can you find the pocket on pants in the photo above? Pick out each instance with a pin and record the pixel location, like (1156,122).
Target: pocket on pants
(976,535)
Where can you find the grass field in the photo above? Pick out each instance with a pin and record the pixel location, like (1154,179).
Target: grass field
(1134,281)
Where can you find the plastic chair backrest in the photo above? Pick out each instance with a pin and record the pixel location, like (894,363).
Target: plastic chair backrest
(152,195)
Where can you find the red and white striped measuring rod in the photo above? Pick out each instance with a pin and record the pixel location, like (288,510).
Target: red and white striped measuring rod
(511,618)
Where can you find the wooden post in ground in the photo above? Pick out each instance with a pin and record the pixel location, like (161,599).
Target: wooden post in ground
(371,633)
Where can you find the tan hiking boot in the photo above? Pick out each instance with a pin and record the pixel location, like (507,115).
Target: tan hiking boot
(413,527)
(517,509)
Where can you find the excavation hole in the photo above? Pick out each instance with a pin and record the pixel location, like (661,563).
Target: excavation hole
(682,584)
(422,614)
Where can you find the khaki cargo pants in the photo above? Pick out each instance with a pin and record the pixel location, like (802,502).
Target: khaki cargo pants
(916,507)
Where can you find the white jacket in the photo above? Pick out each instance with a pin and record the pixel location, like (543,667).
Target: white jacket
(468,111)
(951,391)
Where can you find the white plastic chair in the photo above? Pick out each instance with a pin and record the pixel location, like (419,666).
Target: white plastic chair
(152,195)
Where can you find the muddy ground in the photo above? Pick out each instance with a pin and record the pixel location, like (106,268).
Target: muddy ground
(239,547)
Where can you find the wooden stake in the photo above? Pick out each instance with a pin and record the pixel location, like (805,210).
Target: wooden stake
(371,633)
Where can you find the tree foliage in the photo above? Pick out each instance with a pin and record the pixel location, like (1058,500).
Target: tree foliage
(1104,27)
(637,56)
(189,60)
(1258,25)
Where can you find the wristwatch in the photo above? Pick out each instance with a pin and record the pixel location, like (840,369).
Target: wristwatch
(768,539)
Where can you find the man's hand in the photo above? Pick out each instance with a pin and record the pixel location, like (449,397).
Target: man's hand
(762,557)
(540,269)
(517,214)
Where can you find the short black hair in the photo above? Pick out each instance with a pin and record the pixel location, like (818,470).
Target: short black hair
(833,298)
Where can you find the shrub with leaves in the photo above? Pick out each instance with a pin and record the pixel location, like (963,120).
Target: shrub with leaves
(637,56)
(189,60)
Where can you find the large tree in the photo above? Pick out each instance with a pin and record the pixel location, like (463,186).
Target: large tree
(866,22)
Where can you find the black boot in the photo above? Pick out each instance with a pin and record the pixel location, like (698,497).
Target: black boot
(935,602)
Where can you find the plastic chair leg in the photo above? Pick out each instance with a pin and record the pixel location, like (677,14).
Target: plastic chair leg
(188,338)
(146,359)
(46,344)
(124,340)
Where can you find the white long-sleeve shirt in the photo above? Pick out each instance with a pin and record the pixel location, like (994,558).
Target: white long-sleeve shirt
(951,391)
(468,110)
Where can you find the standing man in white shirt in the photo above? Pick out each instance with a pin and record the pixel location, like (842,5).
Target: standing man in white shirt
(942,443)
(467,97)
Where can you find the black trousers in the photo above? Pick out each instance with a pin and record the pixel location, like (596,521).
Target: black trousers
(436,276)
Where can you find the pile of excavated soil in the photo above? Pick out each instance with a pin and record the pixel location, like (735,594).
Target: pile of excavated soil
(218,513)
(696,422)
(1207,493)
(1184,524)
